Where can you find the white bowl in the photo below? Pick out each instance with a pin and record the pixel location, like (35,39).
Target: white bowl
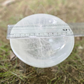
(42,52)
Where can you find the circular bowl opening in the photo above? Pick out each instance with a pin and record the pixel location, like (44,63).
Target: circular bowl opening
(42,52)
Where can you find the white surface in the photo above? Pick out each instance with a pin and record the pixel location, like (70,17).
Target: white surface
(42,52)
